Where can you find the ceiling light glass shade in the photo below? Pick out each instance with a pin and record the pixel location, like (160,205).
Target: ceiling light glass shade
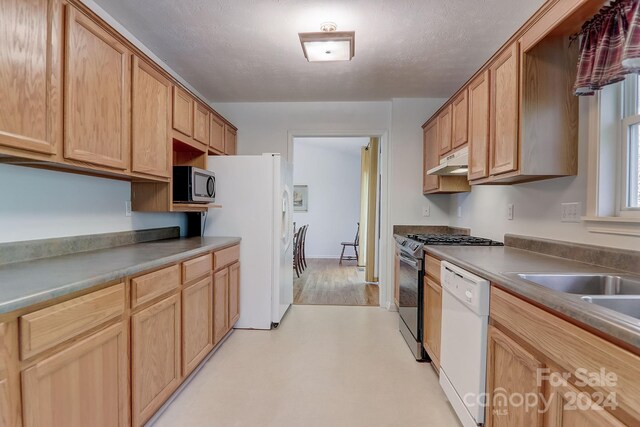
(328,46)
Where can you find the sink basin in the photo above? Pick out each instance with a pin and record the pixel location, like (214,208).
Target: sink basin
(586,284)
(629,305)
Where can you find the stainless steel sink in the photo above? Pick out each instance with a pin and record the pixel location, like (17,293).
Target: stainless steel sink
(586,284)
(629,304)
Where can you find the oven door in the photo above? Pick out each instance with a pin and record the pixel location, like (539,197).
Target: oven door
(203,186)
(410,295)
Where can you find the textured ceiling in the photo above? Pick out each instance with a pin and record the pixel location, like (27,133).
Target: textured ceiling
(248,50)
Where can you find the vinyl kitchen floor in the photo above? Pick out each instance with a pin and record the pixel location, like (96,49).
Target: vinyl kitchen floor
(325,281)
(324,366)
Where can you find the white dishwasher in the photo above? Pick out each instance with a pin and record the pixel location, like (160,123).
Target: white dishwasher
(463,351)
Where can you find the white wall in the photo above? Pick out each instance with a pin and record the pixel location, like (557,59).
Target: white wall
(330,167)
(536,206)
(40,204)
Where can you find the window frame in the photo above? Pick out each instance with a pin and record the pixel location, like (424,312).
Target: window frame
(607,184)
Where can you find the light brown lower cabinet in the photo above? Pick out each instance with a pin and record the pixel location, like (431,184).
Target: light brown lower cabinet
(84,385)
(545,371)
(512,372)
(568,407)
(197,324)
(432,320)
(220,304)
(155,364)
(234,294)
(10,405)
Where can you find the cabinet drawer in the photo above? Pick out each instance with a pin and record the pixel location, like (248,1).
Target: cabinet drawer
(432,267)
(150,286)
(53,325)
(225,257)
(196,268)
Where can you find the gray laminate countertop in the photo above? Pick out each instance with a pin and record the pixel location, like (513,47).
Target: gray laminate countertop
(26,283)
(495,264)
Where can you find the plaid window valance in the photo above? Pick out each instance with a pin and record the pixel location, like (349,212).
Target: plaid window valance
(609,47)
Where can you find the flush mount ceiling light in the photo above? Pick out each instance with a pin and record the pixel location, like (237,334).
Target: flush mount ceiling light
(328,45)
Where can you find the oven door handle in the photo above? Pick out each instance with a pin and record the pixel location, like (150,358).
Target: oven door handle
(413,263)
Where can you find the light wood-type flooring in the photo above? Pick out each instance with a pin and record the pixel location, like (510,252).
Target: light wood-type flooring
(325,366)
(326,282)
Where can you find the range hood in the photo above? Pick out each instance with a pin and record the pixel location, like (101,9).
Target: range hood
(455,164)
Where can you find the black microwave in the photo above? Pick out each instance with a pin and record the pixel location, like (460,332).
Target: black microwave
(193,185)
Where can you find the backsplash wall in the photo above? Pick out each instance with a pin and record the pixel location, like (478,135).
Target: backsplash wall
(40,204)
(536,206)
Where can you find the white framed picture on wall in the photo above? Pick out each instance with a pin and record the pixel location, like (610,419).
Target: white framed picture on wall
(300,198)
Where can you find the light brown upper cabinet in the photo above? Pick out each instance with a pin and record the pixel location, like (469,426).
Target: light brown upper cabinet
(200,123)
(431,156)
(31,75)
(182,111)
(216,134)
(460,108)
(479,127)
(151,118)
(444,130)
(230,146)
(503,145)
(433,184)
(97,94)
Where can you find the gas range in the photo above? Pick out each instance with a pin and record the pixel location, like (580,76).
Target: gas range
(453,240)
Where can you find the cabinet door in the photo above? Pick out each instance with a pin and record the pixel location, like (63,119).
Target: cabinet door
(569,407)
(230,147)
(220,304)
(10,405)
(234,294)
(444,130)
(431,157)
(216,135)
(151,121)
(460,108)
(200,123)
(97,94)
(504,112)
(84,385)
(197,327)
(182,111)
(511,371)
(155,364)
(30,75)
(479,127)
(432,317)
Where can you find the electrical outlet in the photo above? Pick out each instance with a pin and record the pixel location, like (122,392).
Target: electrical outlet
(127,208)
(459,211)
(510,211)
(426,211)
(570,212)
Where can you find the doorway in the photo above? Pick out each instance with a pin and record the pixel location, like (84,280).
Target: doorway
(336,212)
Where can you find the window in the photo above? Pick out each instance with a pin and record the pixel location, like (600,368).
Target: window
(613,196)
(630,145)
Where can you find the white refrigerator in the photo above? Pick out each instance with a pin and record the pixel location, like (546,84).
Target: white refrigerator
(256,194)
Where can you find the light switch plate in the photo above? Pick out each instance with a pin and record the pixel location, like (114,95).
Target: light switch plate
(426,211)
(570,212)
(459,211)
(127,208)
(510,211)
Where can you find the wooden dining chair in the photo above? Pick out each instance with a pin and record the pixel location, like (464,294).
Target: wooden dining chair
(303,251)
(355,244)
(296,252)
